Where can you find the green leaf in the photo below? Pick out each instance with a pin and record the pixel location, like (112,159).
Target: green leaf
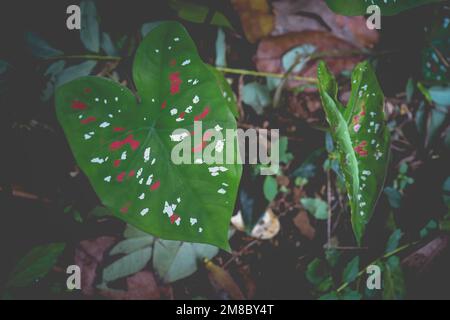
(446,191)
(394,197)
(387,7)
(393,280)
(128,246)
(149,26)
(108,46)
(330,296)
(89,32)
(317,272)
(350,294)
(175,260)
(351,270)
(40,48)
(127,265)
(221,49)
(257,96)
(317,207)
(361,138)
(227,92)
(393,241)
(270,188)
(297,56)
(285,156)
(35,264)
(74,72)
(124,146)
(196,13)
(52,72)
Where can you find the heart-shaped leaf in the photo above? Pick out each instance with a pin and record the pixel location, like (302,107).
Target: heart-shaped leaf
(387,7)
(361,137)
(125,146)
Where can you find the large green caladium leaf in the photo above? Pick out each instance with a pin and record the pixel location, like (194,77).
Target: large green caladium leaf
(361,137)
(387,7)
(124,146)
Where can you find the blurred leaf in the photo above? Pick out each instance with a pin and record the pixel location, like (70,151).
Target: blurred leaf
(361,138)
(351,270)
(431,225)
(393,241)
(297,56)
(332,255)
(127,265)
(350,294)
(89,32)
(222,280)
(330,296)
(436,121)
(128,246)
(316,272)
(446,191)
(301,221)
(35,264)
(257,96)
(108,46)
(270,188)
(285,156)
(440,95)
(196,13)
(410,90)
(317,207)
(133,232)
(40,48)
(267,226)
(52,72)
(100,212)
(256,18)
(388,8)
(394,197)
(393,281)
(149,26)
(74,72)
(175,260)
(221,49)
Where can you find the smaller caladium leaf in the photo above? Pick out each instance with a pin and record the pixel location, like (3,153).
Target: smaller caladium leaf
(361,137)
(126,146)
(387,7)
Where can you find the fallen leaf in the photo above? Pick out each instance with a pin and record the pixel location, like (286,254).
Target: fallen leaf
(256,18)
(88,256)
(267,227)
(140,286)
(272,49)
(221,280)
(301,221)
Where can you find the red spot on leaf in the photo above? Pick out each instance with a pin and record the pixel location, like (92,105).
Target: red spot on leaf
(116,163)
(174,218)
(359,149)
(181,116)
(202,115)
(163,105)
(88,120)
(115,145)
(175,82)
(124,209)
(155,186)
(120,176)
(78,105)
(87,90)
(118,129)
(132,172)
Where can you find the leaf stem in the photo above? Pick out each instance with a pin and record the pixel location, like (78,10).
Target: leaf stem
(85,56)
(264,74)
(385,256)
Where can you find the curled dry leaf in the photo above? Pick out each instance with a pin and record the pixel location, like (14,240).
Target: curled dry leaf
(256,18)
(272,49)
(88,256)
(267,227)
(221,280)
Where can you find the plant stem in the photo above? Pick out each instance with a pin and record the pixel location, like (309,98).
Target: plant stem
(385,256)
(264,74)
(86,56)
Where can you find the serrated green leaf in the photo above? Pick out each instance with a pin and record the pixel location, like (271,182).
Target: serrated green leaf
(127,265)
(39,47)
(361,137)
(125,146)
(351,270)
(35,264)
(90,31)
(393,280)
(317,207)
(387,7)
